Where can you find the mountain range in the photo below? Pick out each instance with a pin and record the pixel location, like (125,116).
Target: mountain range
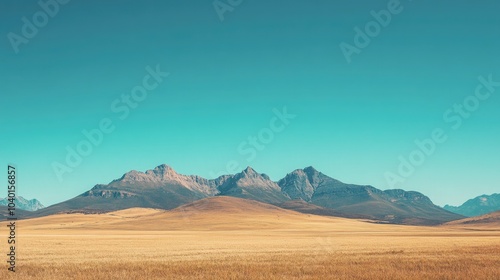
(304,190)
(24,204)
(480,205)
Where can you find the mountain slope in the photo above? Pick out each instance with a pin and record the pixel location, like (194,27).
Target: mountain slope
(491,220)
(301,206)
(480,205)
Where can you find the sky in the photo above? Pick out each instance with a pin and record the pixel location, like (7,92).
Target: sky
(253,83)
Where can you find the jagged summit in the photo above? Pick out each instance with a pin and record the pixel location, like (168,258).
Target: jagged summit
(310,169)
(132,175)
(163,172)
(248,172)
(160,173)
(249,169)
(162,168)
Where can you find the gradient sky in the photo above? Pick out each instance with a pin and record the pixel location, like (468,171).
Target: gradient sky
(353,119)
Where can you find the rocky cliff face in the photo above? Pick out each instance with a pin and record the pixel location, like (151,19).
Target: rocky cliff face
(299,184)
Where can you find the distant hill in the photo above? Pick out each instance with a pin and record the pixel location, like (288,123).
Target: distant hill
(491,220)
(304,190)
(480,205)
(24,204)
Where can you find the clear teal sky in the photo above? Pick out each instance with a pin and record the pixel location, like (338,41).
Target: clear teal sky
(353,119)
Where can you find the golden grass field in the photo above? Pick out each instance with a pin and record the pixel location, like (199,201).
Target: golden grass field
(229,238)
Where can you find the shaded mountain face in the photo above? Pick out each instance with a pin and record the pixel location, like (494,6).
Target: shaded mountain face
(24,204)
(299,183)
(304,190)
(396,206)
(478,206)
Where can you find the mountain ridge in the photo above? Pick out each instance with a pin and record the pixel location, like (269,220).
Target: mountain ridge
(164,188)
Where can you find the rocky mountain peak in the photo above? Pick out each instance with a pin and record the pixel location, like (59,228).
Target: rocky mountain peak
(313,176)
(310,170)
(133,175)
(159,173)
(163,171)
(249,172)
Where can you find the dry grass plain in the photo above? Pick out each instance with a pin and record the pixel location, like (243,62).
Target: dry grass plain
(228,238)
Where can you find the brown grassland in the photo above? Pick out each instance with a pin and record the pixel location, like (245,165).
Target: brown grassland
(227,238)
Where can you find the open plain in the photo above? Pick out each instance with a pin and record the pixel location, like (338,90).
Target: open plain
(231,238)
